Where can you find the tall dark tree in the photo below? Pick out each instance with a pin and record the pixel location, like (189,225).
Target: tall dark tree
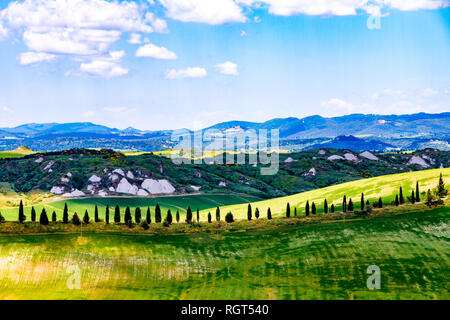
(362,201)
(86,217)
(217,214)
(396,200)
(127,217)
(169,218)
(178,216)
(96,218)
(288,210)
(429,198)
(75,219)
(307,208)
(380,203)
(413,197)
(229,217)
(149,216)
(350,205)
(313,208)
(269,214)
(344,204)
(157,214)
(332,208)
(249,212)
(43,219)
(401,198)
(417,192)
(209,217)
(441,191)
(66,214)
(257,213)
(295,211)
(325,206)
(198,215)
(189,215)
(107,214)
(33,214)
(117,214)
(137,215)
(54,216)
(21,214)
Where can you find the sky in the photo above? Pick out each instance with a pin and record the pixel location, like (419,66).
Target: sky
(169,64)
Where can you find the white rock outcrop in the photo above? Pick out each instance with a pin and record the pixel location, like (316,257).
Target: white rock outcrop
(49,165)
(350,157)
(222,184)
(142,192)
(114,177)
(335,157)
(65,180)
(196,188)
(119,171)
(157,186)
(39,160)
(57,190)
(102,193)
(311,173)
(289,160)
(75,193)
(418,161)
(95,179)
(130,175)
(69,174)
(322,152)
(126,187)
(369,155)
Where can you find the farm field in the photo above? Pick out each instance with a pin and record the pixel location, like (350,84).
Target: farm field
(311,261)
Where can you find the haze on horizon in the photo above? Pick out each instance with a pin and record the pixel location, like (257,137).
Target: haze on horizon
(163,64)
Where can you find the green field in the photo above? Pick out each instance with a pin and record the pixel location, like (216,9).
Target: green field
(304,261)
(170,202)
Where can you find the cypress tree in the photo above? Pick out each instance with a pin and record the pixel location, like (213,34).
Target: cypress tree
(249,212)
(137,215)
(86,217)
(350,205)
(417,192)
(429,198)
(269,214)
(380,203)
(43,219)
(75,219)
(217,214)
(413,198)
(362,201)
(149,216)
(157,214)
(396,200)
(33,214)
(288,210)
(257,213)
(21,214)
(169,217)
(229,218)
(332,208)
(344,204)
(66,214)
(325,206)
(313,208)
(209,217)
(107,214)
(127,217)
(307,208)
(189,215)
(178,216)
(54,216)
(117,214)
(198,215)
(295,211)
(401,199)
(441,191)
(96,218)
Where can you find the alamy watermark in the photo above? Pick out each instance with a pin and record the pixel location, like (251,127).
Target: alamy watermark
(74,280)
(374,281)
(231,147)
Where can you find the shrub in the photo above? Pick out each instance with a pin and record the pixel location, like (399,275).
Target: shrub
(166,223)
(257,213)
(229,217)
(441,191)
(144,225)
(43,219)
(86,217)
(2,219)
(75,219)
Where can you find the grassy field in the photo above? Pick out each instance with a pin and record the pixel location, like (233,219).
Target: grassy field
(18,153)
(304,261)
(173,203)
(384,186)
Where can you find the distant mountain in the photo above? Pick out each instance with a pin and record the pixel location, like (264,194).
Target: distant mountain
(354,144)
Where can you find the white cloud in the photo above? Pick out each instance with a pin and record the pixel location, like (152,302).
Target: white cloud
(89,114)
(227,68)
(243,33)
(412,5)
(135,38)
(335,102)
(204,11)
(119,111)
(27,58)
(190,72)
(6,109)
(104,66)
(152,51)
(428,92)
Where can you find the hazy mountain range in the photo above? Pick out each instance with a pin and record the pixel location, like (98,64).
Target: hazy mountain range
(375,132)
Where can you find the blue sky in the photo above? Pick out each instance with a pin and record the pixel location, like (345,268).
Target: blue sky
(192,64)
